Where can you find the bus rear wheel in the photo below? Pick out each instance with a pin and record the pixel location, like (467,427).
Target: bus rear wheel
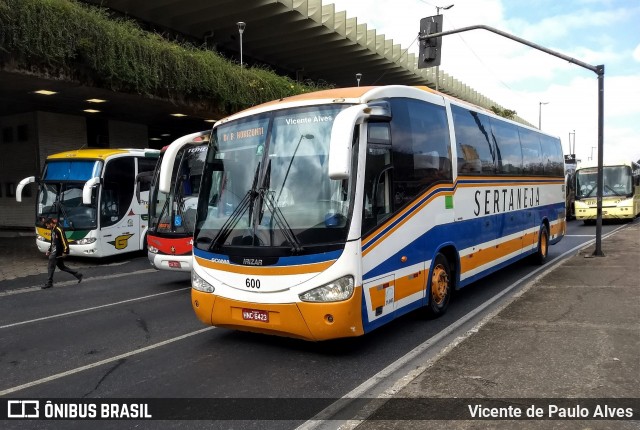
(540,257)
(440,287)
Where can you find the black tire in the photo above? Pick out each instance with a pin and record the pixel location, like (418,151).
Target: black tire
(540,257)
(440,287)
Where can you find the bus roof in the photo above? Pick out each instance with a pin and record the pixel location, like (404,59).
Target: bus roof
(102,154)
(594,163)
(357,95)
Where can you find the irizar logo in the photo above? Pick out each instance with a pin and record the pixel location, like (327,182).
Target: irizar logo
(252,262)
(121,242)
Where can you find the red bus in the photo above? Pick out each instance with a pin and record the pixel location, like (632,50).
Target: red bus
(172,215)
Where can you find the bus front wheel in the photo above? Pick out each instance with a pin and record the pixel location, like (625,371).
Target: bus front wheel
(440,287)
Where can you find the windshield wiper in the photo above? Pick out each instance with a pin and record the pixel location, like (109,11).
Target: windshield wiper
(236,215)
(278,217)
(612,190)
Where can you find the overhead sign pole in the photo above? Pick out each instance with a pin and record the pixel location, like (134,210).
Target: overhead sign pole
(428,32)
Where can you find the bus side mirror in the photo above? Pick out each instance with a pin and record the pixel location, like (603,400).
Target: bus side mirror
(142,178)
(21,185)
(169,159)
(86,190)
(342,139)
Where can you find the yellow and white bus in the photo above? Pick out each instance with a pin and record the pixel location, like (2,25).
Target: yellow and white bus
(329,214)
(620,192)
(92,193)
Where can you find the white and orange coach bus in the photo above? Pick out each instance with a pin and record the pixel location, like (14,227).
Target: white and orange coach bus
(329,214)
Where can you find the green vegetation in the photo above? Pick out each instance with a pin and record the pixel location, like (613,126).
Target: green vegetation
(66,39)
(505,113)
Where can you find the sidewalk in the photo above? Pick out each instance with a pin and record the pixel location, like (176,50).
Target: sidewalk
(21,258)
(574,333)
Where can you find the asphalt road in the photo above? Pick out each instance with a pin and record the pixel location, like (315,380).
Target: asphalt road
(135,336)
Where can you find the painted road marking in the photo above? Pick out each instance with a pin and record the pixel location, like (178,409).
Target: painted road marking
(100,363)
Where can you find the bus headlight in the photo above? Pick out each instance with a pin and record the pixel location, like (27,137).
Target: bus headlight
(85,241)
(200,284)
(152,249)
(338,290)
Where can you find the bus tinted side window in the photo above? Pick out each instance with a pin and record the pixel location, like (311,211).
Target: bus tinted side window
(508,150)
(476,150)
(117,191)
(552,156)
(531,152)
(420,148)
(146,165)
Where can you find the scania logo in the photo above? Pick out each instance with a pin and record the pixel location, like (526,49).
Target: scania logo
(220,260)
(252,262)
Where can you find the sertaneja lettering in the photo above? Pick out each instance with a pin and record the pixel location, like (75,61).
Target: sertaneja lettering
(489,202)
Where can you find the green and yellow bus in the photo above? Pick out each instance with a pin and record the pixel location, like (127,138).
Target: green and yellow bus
(92,193)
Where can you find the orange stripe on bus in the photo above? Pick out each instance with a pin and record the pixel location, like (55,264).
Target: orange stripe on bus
(408,285)
(491,253)
(266,270)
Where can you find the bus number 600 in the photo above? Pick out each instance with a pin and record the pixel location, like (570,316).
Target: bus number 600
(253,283)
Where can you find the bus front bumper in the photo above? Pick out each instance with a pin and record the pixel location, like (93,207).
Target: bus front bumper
(74,249)
(618,212)
(178,263)
(309,321)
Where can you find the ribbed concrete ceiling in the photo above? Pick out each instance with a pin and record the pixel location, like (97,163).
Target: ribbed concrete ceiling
(299,37)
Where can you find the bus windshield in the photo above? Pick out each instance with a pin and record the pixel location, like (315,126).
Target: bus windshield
(266,185)
(176,212)
(63,201)
(617,181)
(60,195)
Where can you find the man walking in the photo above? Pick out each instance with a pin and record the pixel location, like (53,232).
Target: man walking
(58,249)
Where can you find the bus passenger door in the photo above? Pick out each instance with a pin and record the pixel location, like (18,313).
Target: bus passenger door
(119,224)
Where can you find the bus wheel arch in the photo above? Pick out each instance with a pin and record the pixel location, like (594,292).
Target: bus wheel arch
(440,283)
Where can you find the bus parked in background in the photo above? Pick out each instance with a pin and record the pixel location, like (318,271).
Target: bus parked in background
(329,214)
(91,192)
(172,215)
(570,190)
(620,191)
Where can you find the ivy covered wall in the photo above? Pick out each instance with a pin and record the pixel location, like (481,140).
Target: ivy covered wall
(66,39)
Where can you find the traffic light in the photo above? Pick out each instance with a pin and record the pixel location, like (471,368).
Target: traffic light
(430,49)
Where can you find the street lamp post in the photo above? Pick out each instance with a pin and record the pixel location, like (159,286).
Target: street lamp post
(358,77)
(241,26)
(438,67)
(572,147)
(540,114)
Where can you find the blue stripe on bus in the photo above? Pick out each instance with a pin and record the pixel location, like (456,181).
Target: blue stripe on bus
(282,261)
(463,235)
(410,211)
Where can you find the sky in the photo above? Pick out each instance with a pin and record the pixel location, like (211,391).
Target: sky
(520,78)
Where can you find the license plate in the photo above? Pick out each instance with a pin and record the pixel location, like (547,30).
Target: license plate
(255,315)
(175,264)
